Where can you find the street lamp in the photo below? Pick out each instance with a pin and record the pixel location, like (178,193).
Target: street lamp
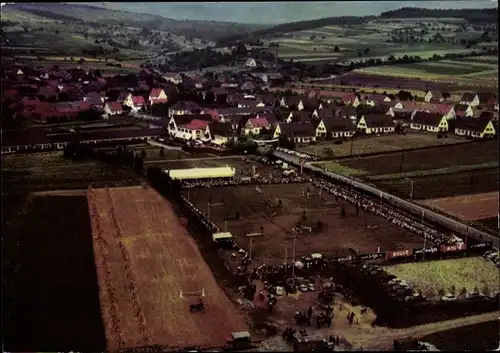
(411,188)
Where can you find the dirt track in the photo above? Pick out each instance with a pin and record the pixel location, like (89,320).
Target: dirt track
(145,258)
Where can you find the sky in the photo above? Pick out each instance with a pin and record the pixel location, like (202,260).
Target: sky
(279,12)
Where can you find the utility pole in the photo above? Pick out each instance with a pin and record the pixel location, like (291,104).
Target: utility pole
(293,264)
(352,145)
(401,163)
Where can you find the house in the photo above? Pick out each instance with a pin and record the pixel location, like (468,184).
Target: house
(441,108)
(178,125)
(334,127)
(432,122)
(95,99)
(492,115)
(194,130)
(172,77)
(374,99)
(251,62)
(299,117)
(113,108)
(256,125)
(124,97)
(248,86)
(375,124)
(135,103)
(298,132)
(157,96)
(47,93)
(487,98)
(183,107)
(348,112)
(219,133)
(429,95)
(266,100)
(322,113)
(471,99)
(475,127)
(463,110)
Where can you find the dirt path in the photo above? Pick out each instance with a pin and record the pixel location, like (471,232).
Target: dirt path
(380,338)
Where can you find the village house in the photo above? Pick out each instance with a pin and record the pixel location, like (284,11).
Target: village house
(251,62)
(266,100)
(475,127)
(491,115)
(113,108)
(299,117)
(374,99)
(375,124)
(135,103)
(255,126)
(431,122)
(322,113)
(348,112)
(157,96)
(179,126)
(219,133)
(248,86)
(446,110)
(124,97)
(334,127)
(487,98)
(430,95)
(298,132)
(172,77)
(183,107)
(469,98)
(463,110)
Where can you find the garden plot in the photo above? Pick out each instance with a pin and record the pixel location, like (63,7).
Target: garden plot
(454,276)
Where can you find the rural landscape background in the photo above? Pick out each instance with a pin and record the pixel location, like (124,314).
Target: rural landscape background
(399,96)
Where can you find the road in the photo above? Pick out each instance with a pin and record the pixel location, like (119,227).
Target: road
(381,338)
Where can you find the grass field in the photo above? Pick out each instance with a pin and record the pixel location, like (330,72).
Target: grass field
(378,144)
(144,259)
(432,276)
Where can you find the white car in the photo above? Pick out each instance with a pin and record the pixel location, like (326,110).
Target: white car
(448,298)
(311,287)
(303,288)
(279,290)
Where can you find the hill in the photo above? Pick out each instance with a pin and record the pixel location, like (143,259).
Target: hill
(473,16)
(206,30)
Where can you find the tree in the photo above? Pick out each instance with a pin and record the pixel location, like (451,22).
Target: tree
(404,95)
(445,95)
(441,292)
(143,153)
(486,290)
(463,293)
(453,290)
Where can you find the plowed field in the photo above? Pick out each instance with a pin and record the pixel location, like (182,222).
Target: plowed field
(424,159)
(468,207)
(145,258)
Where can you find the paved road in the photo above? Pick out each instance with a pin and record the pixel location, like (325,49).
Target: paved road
(381,338)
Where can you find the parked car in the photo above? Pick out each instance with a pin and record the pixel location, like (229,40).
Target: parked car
(311,287)
(448,297)
(303,288)
(279,290)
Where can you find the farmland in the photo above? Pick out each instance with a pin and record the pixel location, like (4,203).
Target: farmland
(51,171)
(377,144)
(468,207)
(337,235)
(452,71)
(480,337)
(340,43)
(54,276)
(430,173)
(145,258)
(449,275)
